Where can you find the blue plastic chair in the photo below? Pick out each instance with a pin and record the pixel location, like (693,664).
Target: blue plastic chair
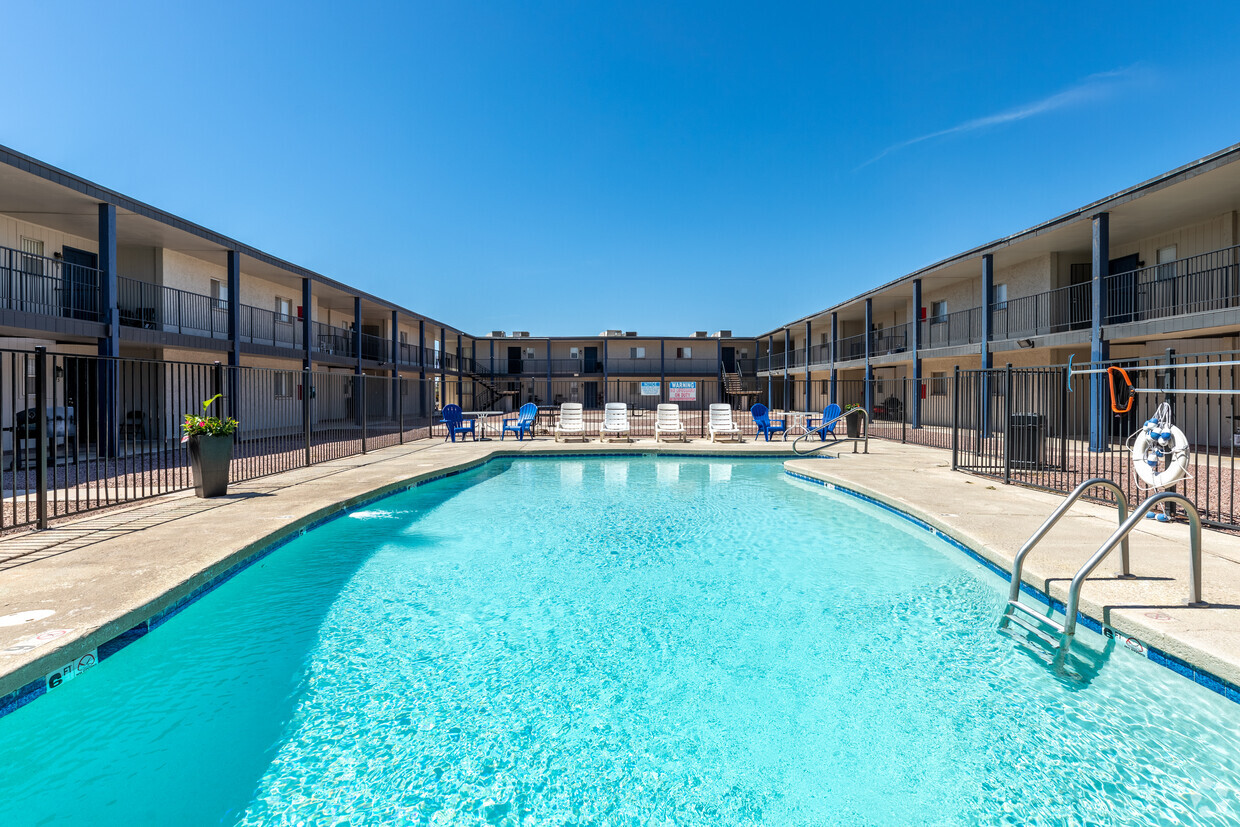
(524,422)
(829,413)
(457,424)
(766,425)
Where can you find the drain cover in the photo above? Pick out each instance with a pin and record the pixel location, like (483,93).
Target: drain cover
(25,617)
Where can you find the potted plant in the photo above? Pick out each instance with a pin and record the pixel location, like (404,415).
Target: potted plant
(852,424)
(210,449)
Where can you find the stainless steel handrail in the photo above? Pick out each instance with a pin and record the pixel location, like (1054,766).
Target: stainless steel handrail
(1019,563)
(864,438)
(1121,535)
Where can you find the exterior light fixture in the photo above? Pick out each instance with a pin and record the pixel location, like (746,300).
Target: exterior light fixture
(1025,342)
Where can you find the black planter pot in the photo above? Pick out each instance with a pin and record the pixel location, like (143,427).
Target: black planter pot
(209,457)
(852,426)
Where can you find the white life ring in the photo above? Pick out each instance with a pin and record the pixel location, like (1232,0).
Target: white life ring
(1147,457)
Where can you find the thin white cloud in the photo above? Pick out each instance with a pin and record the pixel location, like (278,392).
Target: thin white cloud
(1089,89)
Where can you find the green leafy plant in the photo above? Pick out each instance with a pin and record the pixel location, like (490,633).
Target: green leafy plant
(208,425)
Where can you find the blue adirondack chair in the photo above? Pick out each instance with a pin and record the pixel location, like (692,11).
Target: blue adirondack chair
(828,413)
(524,423)
(766,425)
(456,423)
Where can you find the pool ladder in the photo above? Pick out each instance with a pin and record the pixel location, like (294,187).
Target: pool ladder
(1036,622)
(836,441)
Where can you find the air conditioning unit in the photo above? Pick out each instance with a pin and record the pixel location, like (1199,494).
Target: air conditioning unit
(497,334)
(610,333)
(723,334)
(630,333)
(520,334)
(699,334)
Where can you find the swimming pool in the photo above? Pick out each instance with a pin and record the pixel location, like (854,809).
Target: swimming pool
(615,641)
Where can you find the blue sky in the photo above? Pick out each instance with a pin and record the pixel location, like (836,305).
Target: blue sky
(662,167)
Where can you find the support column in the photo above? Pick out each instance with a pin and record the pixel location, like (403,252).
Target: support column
(110,342)
(719,368)
(492,358)
(988,292)
(359,387)
(307,326)
(396,366)
(460,367)
(1099,348)
(422,407)
(549,397)
(869,371)
(770,370)
(916,400)
(604,368)
(443,375)
(662,370)
(234,334)
(808,333)
(835,344)
(787,368)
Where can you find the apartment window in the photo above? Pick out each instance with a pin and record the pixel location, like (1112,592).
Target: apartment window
(219,294)
(529,353)
(938,311)
(1166,262)
(283,381)
(744,354)
(938,383)
(284,309)
(32,255)
(573,353)
(684,353)
(404,337)
(999,296)
(637,353)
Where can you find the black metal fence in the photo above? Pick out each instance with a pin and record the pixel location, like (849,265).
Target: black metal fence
(1024,425)
(110,429)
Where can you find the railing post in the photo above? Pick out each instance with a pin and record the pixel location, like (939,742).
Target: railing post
(1007,425)
(40,406)
(956,419)
(400,410)
(217,380)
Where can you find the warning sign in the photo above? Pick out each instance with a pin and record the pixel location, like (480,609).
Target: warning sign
(682,391)
(72,669)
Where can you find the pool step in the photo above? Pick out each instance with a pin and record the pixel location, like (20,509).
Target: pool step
(1041,618)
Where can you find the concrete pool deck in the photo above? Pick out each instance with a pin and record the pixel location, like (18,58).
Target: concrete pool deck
(107,574)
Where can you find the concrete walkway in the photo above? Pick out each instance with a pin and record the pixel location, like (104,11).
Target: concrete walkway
(103,575)
(995,520)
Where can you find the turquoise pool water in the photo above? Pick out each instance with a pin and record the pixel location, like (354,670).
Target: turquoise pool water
(615,642)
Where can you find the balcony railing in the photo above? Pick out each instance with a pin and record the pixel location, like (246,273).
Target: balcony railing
(156,307)
(851,347)
(894,339)
(376,348)
(265,327)
(48,286)
(333,341)
(1064,308)
(747,367)
(1210,281)
(795,358)
(820,354)
(964,327)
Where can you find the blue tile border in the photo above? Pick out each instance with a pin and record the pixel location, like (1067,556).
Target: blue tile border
(1199,676)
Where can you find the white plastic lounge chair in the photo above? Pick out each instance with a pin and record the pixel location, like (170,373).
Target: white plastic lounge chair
(615,422)
(667,424)
(721,423)
(570,423)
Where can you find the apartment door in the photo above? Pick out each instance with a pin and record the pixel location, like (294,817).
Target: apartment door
(514,360)
(78,285)
(591,360)
(728,355)
(1079,298)
(590,395)
(372,348)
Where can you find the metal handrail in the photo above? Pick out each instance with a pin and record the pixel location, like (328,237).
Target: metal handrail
(1019,563)
(1121,535)
(864,438)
